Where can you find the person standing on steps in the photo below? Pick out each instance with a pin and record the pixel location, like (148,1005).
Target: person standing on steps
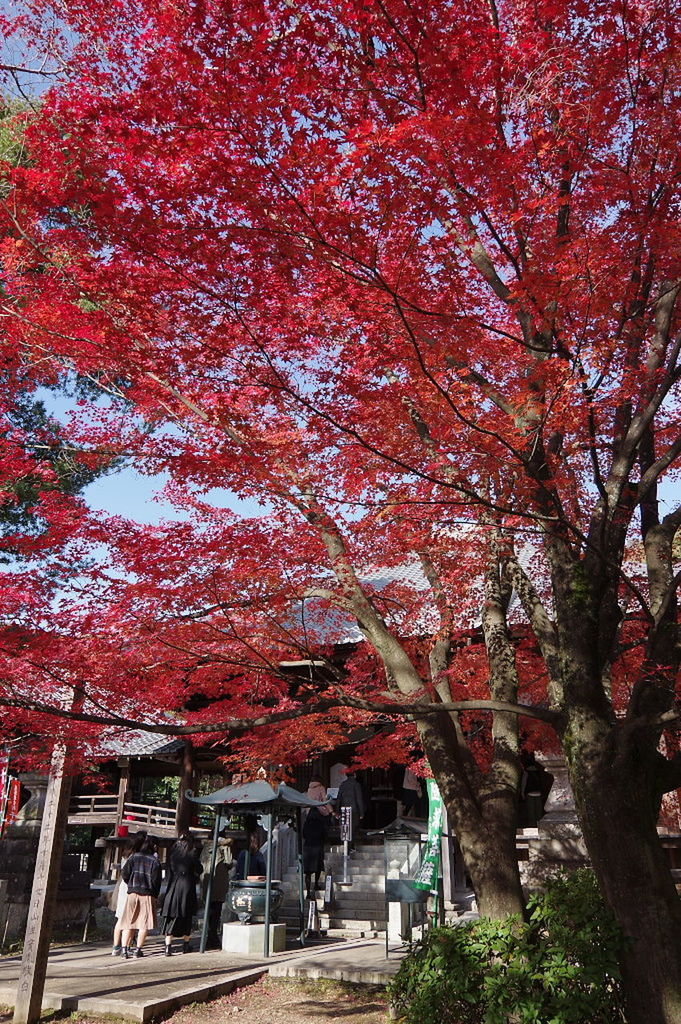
(314,836)
(179,903)
(350,795)
(315,829)
(142,875)
(411,793)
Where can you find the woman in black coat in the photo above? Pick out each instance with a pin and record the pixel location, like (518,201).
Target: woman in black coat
(179,903)
(314,834)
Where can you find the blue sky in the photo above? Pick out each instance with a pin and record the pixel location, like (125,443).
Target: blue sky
(135,495)
(126,493)
(130,494)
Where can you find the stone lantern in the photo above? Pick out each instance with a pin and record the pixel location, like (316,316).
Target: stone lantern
(559,842)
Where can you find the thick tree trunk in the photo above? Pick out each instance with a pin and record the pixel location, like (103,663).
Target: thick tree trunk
(485,824)
(490,856)
(617,811)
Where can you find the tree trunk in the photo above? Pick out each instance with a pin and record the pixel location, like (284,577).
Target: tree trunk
(617,812)
(489,853)
(485,825)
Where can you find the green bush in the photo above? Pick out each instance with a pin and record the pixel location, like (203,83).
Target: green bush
(559,967)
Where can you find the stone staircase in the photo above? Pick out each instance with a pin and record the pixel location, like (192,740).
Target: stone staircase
(357,910)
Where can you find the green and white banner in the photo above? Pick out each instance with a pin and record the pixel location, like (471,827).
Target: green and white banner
(429,871)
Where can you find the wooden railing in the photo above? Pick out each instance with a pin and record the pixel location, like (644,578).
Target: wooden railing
(105,808)
(145,814)
(100,803)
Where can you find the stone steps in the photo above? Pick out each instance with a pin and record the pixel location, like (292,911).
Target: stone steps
(357,910)
(351,903)
(359,883)
(329,922)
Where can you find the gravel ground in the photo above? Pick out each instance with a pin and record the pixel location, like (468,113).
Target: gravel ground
(271,1001)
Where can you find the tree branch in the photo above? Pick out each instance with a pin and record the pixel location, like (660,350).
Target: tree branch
(321,707)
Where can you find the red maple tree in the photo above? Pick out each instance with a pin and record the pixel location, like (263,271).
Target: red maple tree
(408,274)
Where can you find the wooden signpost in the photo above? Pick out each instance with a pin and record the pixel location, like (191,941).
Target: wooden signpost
(31,981)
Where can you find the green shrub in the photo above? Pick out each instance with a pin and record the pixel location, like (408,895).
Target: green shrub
(559,967)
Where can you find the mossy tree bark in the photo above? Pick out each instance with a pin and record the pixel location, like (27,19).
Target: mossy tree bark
(617,773)
(615,786)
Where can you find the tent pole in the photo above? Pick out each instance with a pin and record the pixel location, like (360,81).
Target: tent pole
(301,879)
(209,887)
(268,883)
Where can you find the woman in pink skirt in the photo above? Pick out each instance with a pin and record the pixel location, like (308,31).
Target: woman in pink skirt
(142,875)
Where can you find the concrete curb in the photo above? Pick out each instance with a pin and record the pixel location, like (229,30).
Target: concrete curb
(143,1010)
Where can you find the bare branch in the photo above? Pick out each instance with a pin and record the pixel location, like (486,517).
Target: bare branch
(321,707)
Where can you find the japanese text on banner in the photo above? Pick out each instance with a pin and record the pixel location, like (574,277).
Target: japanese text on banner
(428,873)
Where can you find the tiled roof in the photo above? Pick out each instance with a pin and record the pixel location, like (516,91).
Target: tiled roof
(138,744)
(325,621)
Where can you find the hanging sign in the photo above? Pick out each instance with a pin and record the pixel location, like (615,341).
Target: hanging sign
(11,804)
(4,788)
(429,870)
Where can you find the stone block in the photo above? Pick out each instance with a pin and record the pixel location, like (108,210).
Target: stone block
(403,921)
(105,919)
(559,844)
(248,939)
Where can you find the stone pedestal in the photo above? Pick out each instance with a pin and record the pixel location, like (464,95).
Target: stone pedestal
(249,939)
(404,919)
(559,842)
(399,929)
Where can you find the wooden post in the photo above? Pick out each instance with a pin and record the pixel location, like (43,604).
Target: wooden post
(301,876)
(211,875)
(33,969)
(4,909)
(268,883)
(184,808)
(122,793)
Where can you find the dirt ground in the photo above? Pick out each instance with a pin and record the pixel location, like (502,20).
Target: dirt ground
(270,1001)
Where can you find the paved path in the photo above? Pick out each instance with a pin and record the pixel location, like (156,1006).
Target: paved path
(87,978)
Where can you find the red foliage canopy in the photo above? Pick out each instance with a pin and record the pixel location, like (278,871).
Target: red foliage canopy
(404,274)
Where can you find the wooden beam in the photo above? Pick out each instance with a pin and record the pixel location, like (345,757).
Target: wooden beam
(123,783)
(31,983)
